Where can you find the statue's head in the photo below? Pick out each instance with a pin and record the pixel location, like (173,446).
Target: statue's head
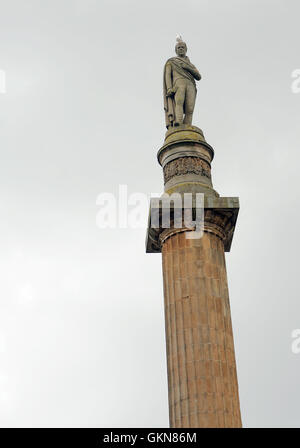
(180,47)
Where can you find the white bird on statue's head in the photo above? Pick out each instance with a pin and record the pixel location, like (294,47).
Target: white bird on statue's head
(178,39)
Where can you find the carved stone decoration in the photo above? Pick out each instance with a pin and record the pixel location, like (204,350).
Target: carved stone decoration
(186,165)
(220,215)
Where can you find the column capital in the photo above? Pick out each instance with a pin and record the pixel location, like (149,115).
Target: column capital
(220,216)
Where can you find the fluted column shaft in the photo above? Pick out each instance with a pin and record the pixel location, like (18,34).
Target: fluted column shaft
(202,378)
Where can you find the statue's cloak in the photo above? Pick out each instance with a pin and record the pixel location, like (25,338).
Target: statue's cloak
(169,101)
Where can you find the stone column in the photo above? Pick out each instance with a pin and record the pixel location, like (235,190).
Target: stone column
(202,378)
(203,389)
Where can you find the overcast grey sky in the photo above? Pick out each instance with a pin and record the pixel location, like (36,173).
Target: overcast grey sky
(81,308)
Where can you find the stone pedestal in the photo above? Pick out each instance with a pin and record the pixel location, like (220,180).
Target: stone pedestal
(186,161)
(202,379)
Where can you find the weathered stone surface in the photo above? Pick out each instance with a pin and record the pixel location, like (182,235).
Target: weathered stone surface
(202,380)
(220,215)
(186,165)
(186,160)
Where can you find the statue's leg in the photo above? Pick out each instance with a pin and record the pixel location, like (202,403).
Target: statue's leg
(190,98)
(179,101)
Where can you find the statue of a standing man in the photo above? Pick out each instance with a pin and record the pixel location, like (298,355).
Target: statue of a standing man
(180,87)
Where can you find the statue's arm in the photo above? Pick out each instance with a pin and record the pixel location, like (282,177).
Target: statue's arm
(192,69)
(187,65)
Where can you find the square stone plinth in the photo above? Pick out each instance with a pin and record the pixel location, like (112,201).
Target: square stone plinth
(219,212)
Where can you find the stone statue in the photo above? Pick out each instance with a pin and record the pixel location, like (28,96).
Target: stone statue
(180,87)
